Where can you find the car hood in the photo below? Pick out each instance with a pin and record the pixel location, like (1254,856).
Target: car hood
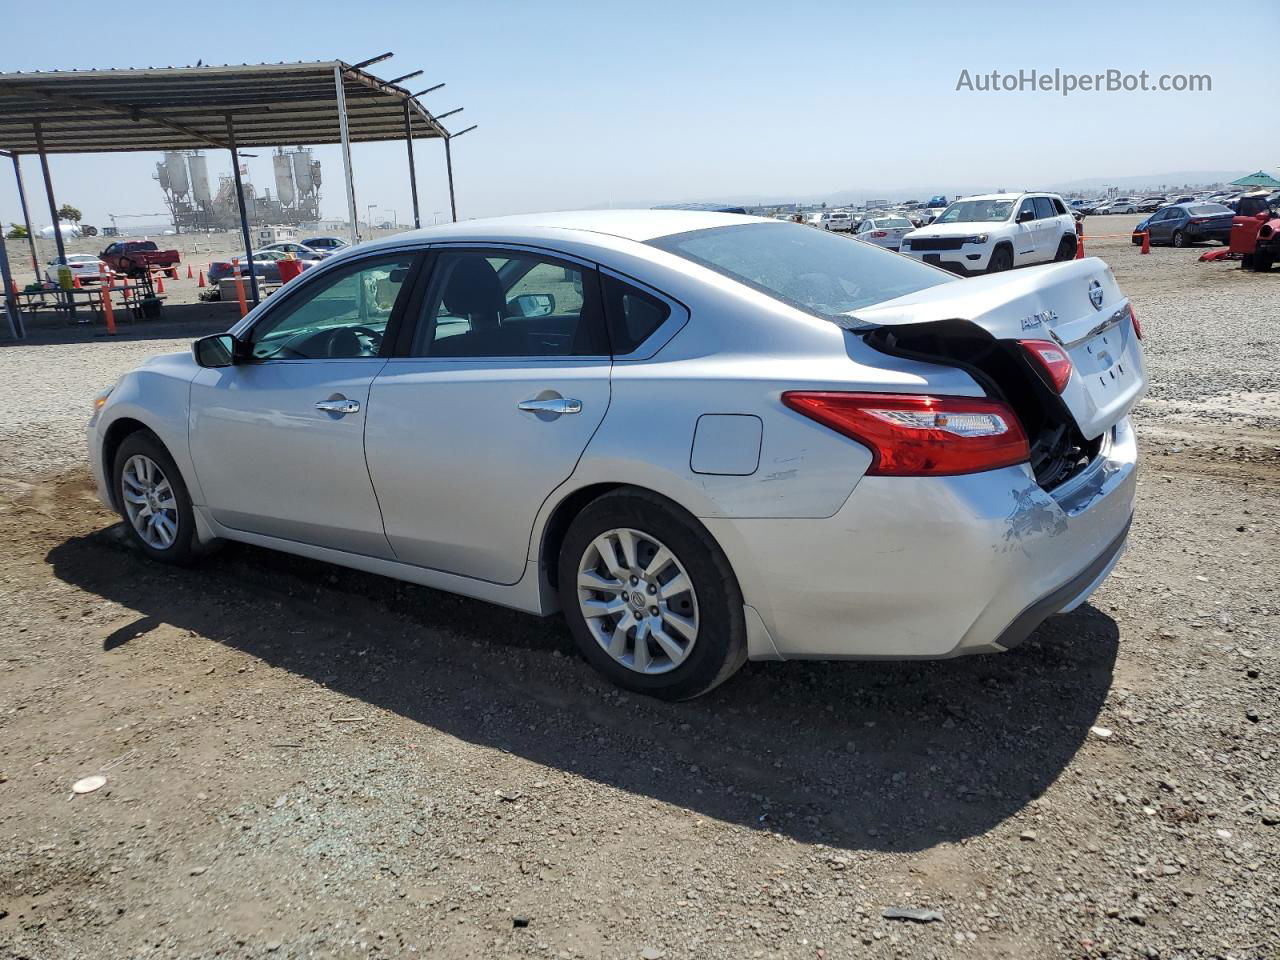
(966,229)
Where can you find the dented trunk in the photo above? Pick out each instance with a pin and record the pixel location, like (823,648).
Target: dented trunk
(981,325)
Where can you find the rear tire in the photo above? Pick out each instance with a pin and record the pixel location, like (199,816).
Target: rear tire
(619,558)
(1001,260)
(1179,239)
(148,485)
(1066,249)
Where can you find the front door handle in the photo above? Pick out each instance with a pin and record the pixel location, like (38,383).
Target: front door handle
(339,406)
(552,405)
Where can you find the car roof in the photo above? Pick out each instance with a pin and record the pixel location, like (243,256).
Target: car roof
(638,225)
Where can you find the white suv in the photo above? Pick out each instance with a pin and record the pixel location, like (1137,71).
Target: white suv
(996,232)
(840,221)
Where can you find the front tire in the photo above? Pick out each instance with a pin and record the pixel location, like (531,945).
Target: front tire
(1001,260)
(153,500)
(650,598)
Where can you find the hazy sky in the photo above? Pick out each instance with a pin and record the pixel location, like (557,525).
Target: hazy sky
(585,104)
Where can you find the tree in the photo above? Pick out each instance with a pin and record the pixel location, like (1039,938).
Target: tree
(68,212)
(17,232)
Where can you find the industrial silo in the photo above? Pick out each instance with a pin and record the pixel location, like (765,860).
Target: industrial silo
(199,167)
(176,165)
(302,171)
(284,178)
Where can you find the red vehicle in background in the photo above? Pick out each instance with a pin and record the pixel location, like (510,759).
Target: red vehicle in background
(137,257)
(1255,231)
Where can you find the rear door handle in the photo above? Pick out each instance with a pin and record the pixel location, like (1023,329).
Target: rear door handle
(340,407)
(556,405)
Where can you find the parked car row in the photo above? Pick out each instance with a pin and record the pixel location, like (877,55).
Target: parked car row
(1151,203)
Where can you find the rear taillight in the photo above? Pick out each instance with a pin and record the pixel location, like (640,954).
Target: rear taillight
(879,233)
(919,436)
(1137,327)
(1052,360)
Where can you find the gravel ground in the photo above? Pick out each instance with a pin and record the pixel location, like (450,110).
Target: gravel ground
(304,761)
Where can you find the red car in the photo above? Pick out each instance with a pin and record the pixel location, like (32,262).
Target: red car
(136,257)
(1255,231)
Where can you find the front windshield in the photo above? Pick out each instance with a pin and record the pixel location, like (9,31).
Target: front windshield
(816,271)
(976,211)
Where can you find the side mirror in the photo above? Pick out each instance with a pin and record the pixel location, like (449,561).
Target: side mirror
(219,350)
(1025,215)
(530,305)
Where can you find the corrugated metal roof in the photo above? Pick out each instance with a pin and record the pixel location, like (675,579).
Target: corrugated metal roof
(186,108)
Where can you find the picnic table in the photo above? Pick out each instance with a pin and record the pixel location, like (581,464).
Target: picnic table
(137,300)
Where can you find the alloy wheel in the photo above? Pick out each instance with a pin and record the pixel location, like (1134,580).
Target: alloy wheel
(149,502)
(638,601)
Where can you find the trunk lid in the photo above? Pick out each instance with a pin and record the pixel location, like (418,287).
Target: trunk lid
(1076,305)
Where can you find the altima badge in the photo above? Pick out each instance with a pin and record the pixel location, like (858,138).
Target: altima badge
(1095,294)
(1047,317)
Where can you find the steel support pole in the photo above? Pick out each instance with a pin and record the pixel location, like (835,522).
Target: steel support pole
(448,163)
(244,214)
(10,301)
(413,172)
(26,217)
(345,135)
(53,213)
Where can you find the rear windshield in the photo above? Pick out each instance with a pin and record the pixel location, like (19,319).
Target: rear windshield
(817,271)
(1207,209)
(977,211)
(142,245)
(893,222)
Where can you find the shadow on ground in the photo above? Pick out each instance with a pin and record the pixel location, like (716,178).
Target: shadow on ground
(178,320)
(879,755)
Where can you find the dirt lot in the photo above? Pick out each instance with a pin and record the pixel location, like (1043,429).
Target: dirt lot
(305,761)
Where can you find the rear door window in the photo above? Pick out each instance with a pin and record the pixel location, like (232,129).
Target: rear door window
(1044,208)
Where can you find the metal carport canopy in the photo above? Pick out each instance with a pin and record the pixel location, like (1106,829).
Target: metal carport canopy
(186,108)
(194,108)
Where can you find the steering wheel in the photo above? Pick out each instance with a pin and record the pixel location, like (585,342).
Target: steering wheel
(353,342)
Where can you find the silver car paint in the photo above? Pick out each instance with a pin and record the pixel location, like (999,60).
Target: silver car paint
(271,463)
(890,572)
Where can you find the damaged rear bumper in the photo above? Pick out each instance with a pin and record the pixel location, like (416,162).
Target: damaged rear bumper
(936,567)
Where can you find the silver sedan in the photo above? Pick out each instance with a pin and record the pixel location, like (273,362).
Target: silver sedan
(703,437)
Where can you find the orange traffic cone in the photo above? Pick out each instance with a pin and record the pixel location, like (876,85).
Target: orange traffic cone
(201,283)
(13,285)
(1146,241)
(189,273)
(173,273)
(75,282)
(160,282)
(1079,241)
